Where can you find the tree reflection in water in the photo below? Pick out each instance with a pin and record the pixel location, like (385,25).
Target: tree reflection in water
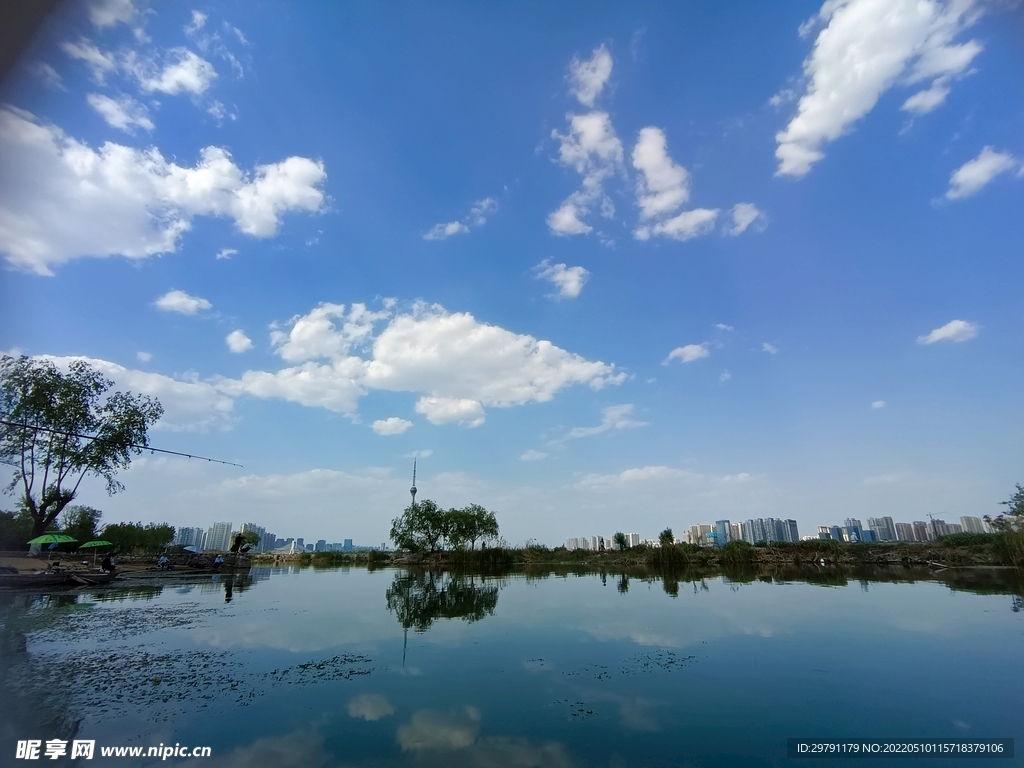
(418,598)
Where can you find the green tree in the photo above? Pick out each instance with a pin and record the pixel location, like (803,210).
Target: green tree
(621,542)
(57,428)
(1013,518)
(134,537)
(480,524)
(15,529)
(420,527)
(666,538)
(80,522)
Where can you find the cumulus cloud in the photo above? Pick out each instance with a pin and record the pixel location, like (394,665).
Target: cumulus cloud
(724,327)
(327,331)
(448,410)
(456,364)
(182,71)
(866,47)
(743,216)
(477,217)
(688,354)
(533,455)
(391,426)
(370,706)
(970,177)
(568,280)
(238,342)
(122,113)
(878,405)
(197,23)
(613,417)
(771,349)
(144,357)
(954,330)
(662,185)
(63,199)
(181,302)
(593,150)
(226,253)
(587,78)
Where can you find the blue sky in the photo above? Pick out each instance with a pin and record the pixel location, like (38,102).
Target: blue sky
(601,267)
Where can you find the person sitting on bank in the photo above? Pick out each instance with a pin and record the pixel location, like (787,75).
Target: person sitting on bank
(108,565)
(164,564)
(218,561)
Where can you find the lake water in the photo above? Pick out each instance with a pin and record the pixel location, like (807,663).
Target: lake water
(349,667)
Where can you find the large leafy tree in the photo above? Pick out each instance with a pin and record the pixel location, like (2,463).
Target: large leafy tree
(80,522)
(57,427)
(666,538)
(1013,518)
(420,527)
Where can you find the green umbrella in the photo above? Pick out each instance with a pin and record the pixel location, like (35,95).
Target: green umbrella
(53,538)
(97,543)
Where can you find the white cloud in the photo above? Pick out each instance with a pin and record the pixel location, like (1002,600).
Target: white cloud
(970,177)
(49,75)
(587,78)
(457,364)
(62,199)
(533,455)
(197,23)
(724,327)
(865,48)
(612,417)
(238,342)
(724,376)
(954,330)
(189,404)
(144,357)
(743,215)
(446,410)
(226,253)
(569,280)
(878,404)
(686,225)
(688,354)
(592,149)
(100,62)
(662,185)
(316,334)
(370,706)
(477,217)
(771,349)
(635,476)
(183,71)
(179,301)
(391,426)
(107,13)
(121,113)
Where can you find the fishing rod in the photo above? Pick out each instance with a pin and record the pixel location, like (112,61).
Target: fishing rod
(104,440)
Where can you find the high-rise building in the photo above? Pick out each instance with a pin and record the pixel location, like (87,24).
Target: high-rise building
(300,543)
(259,530)
(736,532)
(791,528)
(348,545)
(268,541)
(189,537)
(633,539)
(884,528)
(218,538)
(722,531)
(973,524)
(824,532)
(321,546)
(938,528)
(904,532)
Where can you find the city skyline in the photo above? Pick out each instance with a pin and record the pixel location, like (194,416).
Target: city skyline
(582,264)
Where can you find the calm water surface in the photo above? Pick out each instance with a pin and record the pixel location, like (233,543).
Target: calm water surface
(289,667)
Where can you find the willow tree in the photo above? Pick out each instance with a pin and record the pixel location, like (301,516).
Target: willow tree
(59,427)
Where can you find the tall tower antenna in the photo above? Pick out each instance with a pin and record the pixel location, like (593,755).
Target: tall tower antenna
(413,489)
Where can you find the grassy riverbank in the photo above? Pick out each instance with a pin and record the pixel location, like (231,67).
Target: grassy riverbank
(950,551)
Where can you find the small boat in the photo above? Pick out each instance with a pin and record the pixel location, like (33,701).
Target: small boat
(55,579)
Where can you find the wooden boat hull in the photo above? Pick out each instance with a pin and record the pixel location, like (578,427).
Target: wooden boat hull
(69,579)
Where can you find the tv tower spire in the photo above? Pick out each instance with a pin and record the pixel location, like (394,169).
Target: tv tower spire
(413,489)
